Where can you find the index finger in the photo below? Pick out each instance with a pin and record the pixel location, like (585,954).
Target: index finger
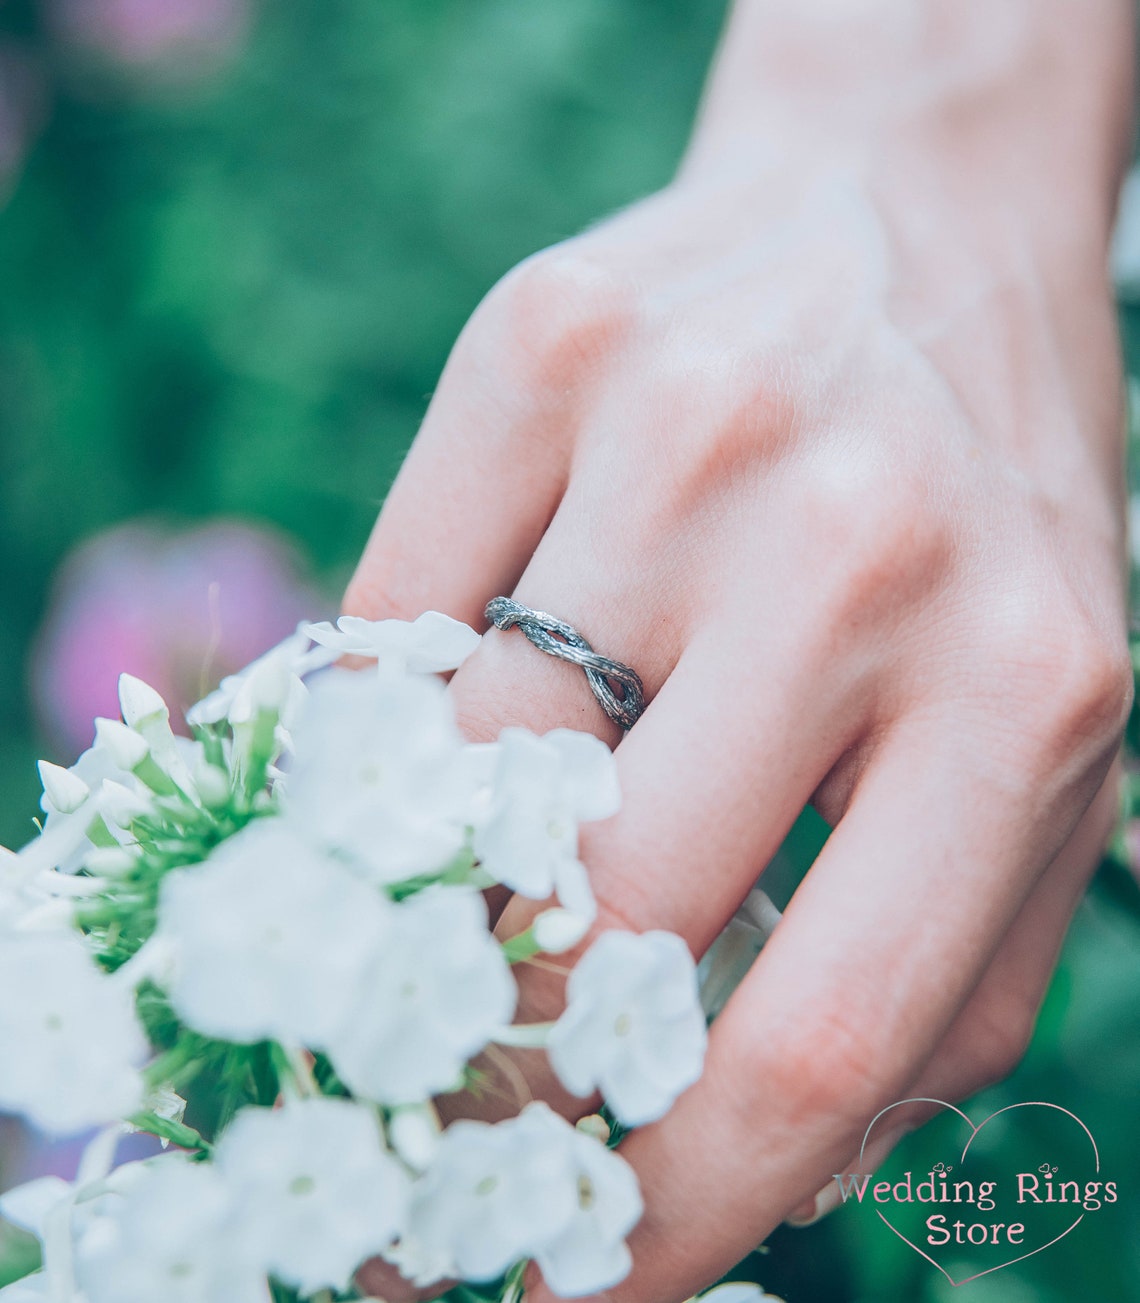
(878,951)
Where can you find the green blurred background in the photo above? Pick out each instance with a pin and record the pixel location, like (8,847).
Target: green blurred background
(235,247)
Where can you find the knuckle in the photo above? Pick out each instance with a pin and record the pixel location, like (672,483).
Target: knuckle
(762,411)
(1095,689)
(885,540)
(380,591)
(1079,684)
(827,1068)
(998,1039)
(753,399)
(552,317)
(734,418)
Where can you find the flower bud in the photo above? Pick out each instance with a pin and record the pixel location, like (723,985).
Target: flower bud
(264,688)
(126,749)
(593,1124)
(557,930)
(64,790)
(110,861)
(414,1133)
(139,702)
(211,783)
(120,804)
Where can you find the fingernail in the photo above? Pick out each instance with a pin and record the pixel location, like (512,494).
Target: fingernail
(814,1210)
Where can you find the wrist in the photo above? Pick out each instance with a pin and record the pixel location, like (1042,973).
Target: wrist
(1021,106)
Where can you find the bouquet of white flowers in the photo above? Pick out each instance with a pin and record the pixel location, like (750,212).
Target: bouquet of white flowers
(268,946)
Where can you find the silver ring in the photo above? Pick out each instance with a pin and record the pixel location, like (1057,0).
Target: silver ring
(557,638)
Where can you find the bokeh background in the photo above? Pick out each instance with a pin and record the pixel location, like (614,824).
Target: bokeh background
(236,243)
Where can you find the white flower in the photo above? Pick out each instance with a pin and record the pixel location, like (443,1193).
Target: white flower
(36,1288)
(34,896)
(268,938)
(99,795)
(737,1291)
(54,1211)
(69,1034)
(141,704)
(316,1190)
(126,748)
(433,996)
(759,913)
(381,775)
(211,781)
(164,1103)
(559,930)
(268,684)
(417,1262)
(121,805)
(431,644)
(147,714)
(20,895)
(70,815)
(414,1132)
(590,1253)
(272,682)
(64,792)
(542,789)
(495,1193)
(731,955)
(172,1236)
(633,1026)
(111,861)
(533,1186)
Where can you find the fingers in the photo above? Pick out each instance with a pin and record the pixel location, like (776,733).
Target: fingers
(662,861)
(878,952)
(987,1039)
(471,501)
(712,777)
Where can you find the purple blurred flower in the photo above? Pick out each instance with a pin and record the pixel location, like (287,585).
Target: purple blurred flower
(177,608)
(26,1154)
(145,33)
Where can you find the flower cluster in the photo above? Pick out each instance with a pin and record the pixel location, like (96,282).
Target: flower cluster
(268,945)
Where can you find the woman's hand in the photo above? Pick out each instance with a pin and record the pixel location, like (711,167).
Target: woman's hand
(825,441)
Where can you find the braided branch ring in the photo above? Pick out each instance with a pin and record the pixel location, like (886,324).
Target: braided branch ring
(562,640)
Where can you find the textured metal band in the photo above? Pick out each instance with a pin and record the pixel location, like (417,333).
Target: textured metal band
(557,638)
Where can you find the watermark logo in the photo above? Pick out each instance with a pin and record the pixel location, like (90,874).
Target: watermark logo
(983,1206)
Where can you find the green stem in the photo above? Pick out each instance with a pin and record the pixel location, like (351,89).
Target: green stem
(165,1070)
(520,947)
(513,1291)
(178,1133)
(156,778)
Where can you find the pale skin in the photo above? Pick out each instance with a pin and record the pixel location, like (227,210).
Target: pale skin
(825,439)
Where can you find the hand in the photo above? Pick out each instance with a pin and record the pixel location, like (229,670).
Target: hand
(825,441)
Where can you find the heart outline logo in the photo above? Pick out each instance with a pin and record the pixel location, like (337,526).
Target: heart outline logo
(1037,1103)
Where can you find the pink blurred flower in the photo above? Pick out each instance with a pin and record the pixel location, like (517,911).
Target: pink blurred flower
(177,608)
(144,33)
